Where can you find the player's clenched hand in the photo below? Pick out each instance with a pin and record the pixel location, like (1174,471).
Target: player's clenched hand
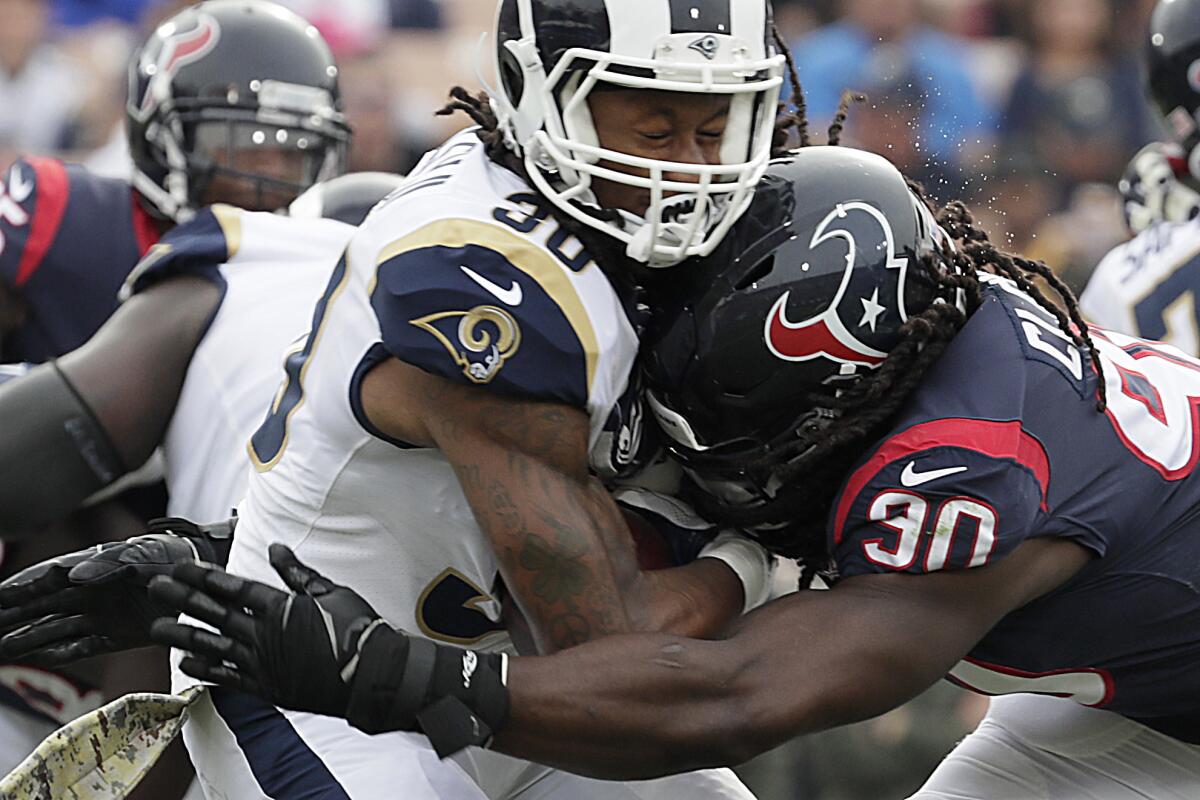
(322,648)
(94,600)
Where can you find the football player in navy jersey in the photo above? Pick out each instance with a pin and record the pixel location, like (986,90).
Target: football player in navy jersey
(232,101)
(892,399)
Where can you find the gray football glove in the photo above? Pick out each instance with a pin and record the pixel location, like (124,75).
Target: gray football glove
(94,601)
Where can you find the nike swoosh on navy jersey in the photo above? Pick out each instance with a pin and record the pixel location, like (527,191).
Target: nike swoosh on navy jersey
(910,477)
(510,296)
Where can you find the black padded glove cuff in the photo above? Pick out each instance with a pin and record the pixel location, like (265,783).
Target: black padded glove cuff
(476,681)
(212,541)
(456,697)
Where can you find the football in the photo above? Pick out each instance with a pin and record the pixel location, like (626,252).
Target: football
(653,552)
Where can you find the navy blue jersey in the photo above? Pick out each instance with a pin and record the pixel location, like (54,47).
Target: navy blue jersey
(67,240)
(1003,442)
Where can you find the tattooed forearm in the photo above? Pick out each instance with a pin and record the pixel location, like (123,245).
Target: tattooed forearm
(560,543)
(538,506)
(561,546)
(558,577)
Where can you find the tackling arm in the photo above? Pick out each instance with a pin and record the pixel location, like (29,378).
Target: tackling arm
(561,543)
(101,409)
(642,706)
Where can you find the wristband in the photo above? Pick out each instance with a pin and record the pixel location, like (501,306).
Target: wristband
(749,561)
(455,697)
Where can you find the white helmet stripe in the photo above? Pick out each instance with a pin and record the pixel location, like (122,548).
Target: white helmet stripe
(637,25)
(750,20)
(701,16)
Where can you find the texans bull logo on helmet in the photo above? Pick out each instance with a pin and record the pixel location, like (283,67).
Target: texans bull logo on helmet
(847,329)
(178,47)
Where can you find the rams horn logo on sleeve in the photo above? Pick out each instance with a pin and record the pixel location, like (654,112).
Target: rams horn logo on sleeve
(487,336)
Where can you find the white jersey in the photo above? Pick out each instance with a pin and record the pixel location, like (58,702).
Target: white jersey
(1148,286)
(271,270)
(462,273)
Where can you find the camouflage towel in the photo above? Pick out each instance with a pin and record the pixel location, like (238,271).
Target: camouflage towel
(102,755)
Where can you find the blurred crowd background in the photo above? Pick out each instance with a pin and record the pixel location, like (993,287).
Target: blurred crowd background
(1026,109)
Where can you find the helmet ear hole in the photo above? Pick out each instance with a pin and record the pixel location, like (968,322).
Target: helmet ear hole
(512,81)
(761,270)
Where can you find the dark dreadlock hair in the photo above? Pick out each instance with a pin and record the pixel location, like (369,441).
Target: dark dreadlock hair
(604,249)
(809,469)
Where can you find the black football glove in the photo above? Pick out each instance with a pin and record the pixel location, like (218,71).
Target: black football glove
(322,648)
(94,601)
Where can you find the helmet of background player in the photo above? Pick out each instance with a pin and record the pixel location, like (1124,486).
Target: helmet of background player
(1155,187)
(233,101)
(1173,71)
(806,296)
(553,55)
(346,198)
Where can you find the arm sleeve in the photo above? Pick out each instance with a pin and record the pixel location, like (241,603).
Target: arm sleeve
(55,455)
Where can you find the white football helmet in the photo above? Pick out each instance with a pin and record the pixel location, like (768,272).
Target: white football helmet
(551,54)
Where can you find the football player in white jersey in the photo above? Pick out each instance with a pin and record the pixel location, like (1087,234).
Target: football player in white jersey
(1147,287)
(470,348)
(186,362)
(432,434)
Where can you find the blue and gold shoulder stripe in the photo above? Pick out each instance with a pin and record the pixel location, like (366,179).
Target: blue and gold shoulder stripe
(197,247)
(476,302)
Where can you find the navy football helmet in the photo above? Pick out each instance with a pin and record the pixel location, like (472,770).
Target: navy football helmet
(552,54)
(806,297)
(1173,69)
(226,87)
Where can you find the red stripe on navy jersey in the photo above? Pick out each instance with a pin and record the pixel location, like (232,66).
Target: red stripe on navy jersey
(52,192)
(145,227)
(993,439)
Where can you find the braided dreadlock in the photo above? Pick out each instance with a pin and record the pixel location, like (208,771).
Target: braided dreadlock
(839,119)
(604,249)
(794,114)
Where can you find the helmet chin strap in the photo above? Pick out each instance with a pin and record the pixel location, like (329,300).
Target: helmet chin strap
(681,222)
(161,199)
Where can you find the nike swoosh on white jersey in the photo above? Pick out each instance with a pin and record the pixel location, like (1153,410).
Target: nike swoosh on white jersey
(511,295)
(910,477)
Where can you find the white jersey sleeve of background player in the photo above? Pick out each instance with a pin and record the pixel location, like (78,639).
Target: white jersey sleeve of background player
(1147,287)
(271,270)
